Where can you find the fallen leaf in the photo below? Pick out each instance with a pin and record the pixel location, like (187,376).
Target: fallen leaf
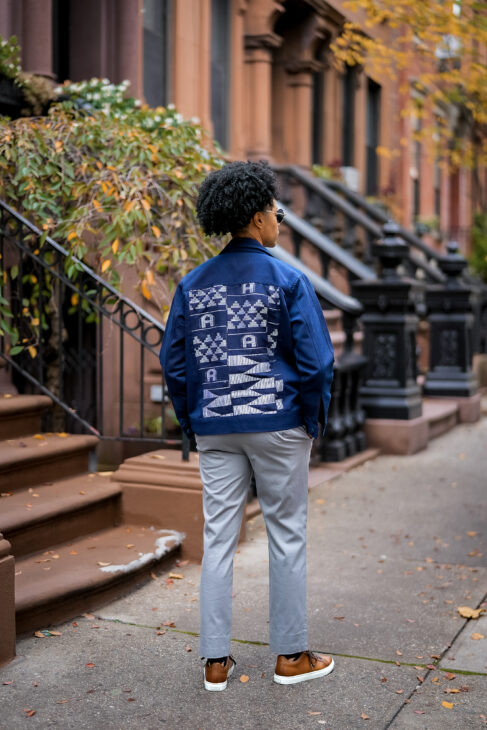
(130,545)
(160,633)
(467,612)
(90,665)
(313,713)
(169,623)
(29,713)
(430,666)
(477,637)
(399,691)
(471,533)
(449,675)
(60,702)
(81,491)
(157,456)
(320,501)
(178,576)
(244,678)
(88,615)
(103,565)
(420,679)
(73,552)
(364,716)
(39,436)
(153,576)
(339,618)
(9,681)
(183,562)
(451,691)
(448,705)
(399,653)
(130,699)
(464,689)
(188,648)
(435,679)
(55,633)
(420,712)
(417,666)
(383,679)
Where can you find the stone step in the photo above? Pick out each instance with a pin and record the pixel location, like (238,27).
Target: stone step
(27,461)
(36,518)
(442,416)
(21,414)
(55,585)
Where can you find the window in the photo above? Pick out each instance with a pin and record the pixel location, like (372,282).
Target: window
(60,39)
(220,69)
(317,118)
(156,51)
(372,136)
(348,126)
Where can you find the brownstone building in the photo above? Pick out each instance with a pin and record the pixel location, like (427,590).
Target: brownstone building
(260,76)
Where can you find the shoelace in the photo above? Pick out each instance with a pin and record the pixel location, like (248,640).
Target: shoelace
(311,656)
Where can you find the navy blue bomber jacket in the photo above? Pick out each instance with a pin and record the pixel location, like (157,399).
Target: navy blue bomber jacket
(246,346)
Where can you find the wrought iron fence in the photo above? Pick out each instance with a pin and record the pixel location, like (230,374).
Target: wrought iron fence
(92,343)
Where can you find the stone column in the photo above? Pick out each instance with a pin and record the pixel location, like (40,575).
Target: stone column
(129,46)
(258,94)
(298,128)
(36,38)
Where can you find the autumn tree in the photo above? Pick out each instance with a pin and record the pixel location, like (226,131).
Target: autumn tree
(437,51)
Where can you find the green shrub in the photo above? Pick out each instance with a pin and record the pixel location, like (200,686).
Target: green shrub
(478,259)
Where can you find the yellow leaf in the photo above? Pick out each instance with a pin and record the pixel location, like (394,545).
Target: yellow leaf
(97,205)
(179,576)
(477,637)
(32,351)
(156,231)
(106,265)
(149,276)
(468,612)
(39,436)
(448,705)
(62,435)
(145,204)
(33,279)
(128,205)
(35,321)
(244,678)
(115,246)
(71,235)
(74,300)
(99,165)
(145,290)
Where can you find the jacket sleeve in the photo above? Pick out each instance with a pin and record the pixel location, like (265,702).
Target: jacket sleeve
(313,352)
(173,360)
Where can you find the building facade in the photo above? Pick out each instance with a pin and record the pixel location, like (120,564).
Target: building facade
(259,75)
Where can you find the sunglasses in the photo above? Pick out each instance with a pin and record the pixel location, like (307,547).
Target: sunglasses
(280,215)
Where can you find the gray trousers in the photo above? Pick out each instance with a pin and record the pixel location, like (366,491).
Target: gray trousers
(280,461)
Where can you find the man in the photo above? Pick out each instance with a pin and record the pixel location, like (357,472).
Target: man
(248,361)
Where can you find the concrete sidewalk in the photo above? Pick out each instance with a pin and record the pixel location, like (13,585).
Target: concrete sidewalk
(394,547)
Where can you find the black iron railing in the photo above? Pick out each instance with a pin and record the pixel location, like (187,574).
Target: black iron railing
(346,217)
(96,353)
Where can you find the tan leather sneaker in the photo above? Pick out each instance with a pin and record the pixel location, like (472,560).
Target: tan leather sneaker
(307,666)
(216,674)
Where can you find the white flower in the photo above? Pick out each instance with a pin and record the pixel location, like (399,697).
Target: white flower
(171,106)
(195,120)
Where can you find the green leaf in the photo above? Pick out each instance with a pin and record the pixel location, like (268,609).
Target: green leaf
(16,350)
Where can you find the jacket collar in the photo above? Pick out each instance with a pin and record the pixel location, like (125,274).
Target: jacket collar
(245,244)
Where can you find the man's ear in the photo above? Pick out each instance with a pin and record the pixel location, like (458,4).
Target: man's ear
(258,219)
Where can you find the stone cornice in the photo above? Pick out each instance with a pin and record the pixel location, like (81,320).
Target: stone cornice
(262,40)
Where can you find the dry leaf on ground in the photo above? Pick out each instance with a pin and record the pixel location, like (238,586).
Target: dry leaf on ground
(244,678)
(477,637)
(448,705)
(467,612)
(364,716)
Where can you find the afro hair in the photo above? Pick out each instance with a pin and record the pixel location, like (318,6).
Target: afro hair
(230,196)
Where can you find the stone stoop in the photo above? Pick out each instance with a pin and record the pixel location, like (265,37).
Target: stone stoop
(73,547)
(408,437)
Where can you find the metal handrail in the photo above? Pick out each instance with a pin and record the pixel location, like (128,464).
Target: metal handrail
(90,295)
(325,244)
(325,291)
(351,210)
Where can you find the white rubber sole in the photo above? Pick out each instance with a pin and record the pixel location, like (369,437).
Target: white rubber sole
(217,686)
(280,679)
